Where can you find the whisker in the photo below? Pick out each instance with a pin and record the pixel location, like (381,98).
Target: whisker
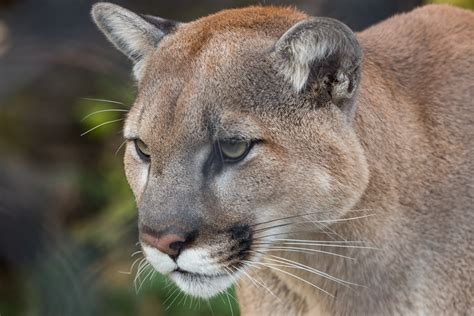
(331,232)
(318,221)
(210,307)
(249,277)
(262,284)
(305,250)
(292,275)
(285,233)
(153,275)
(100,125)
(171,304)
(221,296)
(124,272)
(297,265)
(289,217)
(102,111)
(294,233)
(230,304)
(168,285)
(317,245)
(106,101)
(120,147)
(135,253)
(141,265)
(131,268)
(345,219)
(233,297)
(291,266)
(140,281)
(146,276)
(183,300)
(230,273)
(314,270)
(134,262)
(323,241)
(301,215)
(170,296)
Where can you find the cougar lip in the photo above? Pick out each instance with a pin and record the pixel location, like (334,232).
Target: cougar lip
(195,275)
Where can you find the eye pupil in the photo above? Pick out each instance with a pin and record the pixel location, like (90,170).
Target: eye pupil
(142,149)
(233,151)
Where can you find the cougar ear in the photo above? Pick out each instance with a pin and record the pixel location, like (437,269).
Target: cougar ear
(323,55)
(134,35)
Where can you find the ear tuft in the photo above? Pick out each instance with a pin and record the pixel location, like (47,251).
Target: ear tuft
(320,53)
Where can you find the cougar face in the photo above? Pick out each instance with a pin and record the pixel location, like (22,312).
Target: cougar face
(231,134)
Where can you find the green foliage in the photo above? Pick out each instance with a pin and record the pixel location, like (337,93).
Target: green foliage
(93,114)
(468,4)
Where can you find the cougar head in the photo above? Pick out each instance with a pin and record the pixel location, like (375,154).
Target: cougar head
(242,119)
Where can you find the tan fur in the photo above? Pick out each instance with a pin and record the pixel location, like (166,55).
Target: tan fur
(406,158)
(416,124)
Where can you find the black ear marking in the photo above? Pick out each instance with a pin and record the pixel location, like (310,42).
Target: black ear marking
(164,25)
(322,55)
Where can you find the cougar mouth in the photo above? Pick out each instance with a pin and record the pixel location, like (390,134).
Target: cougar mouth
(194,271)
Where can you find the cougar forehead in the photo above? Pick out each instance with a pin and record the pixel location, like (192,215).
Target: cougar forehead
(194,37)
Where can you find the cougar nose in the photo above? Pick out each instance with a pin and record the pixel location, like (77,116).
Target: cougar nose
(171,244)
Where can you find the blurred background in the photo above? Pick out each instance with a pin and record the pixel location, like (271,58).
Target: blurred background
(67,217)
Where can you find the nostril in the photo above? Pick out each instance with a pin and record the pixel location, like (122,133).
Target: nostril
(177,245)
(171,244)
(166,241)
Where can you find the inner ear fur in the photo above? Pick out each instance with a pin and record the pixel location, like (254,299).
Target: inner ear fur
(133,34)
(320,55)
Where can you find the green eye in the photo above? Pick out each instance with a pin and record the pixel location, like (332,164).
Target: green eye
(142,149)
(233,150)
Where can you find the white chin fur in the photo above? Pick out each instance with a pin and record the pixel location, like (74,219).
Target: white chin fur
(205,278)
(204,287)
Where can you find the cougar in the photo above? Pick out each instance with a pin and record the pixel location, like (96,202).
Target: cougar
(323,172)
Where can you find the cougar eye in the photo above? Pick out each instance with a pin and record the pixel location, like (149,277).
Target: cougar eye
(234,150)
(142,149)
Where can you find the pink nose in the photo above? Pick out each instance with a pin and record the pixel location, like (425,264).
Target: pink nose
(171,244)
